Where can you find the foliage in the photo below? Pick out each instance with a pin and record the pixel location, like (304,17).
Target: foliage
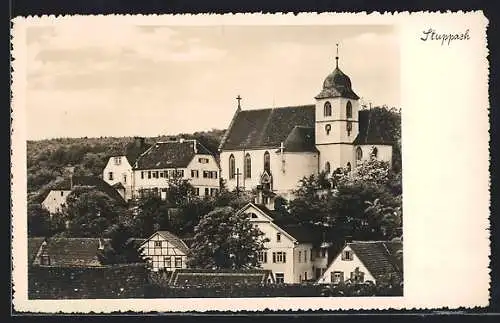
(226,239)
(88,212)
(38,221)
(122,248)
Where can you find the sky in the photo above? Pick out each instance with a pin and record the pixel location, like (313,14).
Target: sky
(87,80)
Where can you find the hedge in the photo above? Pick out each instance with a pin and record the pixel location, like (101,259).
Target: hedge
(117,281)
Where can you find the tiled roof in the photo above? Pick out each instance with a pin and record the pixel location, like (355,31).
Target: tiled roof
(135,149)
(337,84)
(208,276)
(175,240)
(379,257)
(118,186)
(73,252)
(370,131)
(96,182)
(300,139)
(171,154)
(266,128)
(34,245)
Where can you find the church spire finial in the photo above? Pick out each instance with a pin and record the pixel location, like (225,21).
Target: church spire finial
(239,101)
(337,57)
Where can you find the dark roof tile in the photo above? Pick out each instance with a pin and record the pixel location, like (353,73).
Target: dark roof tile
(73,252)
(379,257)
(266,128)
(223,277)
(171,154)
(370,131)
(34,245)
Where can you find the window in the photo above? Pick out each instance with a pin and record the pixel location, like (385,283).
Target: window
(337,277)
(253,215)
(248,166)
(197,191)
(359,153)
(348,109)
(232,169)
(124,178)
(323,253)
(300,256)
(45,260)
(110,176)
(178,262)
(206,191)
(209,174)
(312,255)
(167,262)
(142,175)
(347,255)
(328,128)
(280,278)
(279,257)
(157,244)
(348,166)
(305,255)
(155,174)
(327,109)
(374,152)
(62,193)
(118,160)
(278,237)
(162,174)
(213,191)
(262,257)
(195,173)
(349,127)
(357,276)
(214,174)
(203,160)
(180,173)
(149,174)
(267,162)
(305,275)
(327,167)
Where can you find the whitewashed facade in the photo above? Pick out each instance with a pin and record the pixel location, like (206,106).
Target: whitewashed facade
(54,201)
(119,170)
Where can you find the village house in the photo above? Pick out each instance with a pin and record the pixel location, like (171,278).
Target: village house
(276,147)
(118,170)
(165,251)
(176,159)
(363,261)
(55,198)
(293,253)
(66,252)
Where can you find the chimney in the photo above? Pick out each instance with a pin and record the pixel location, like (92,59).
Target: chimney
(181,140)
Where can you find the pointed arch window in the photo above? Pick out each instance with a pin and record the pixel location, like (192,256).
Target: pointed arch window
(348,109)
(375,152)
(359,153)
(248,166)
(267,162)
(327,167)
(232,170)
(349,166)
(327,109)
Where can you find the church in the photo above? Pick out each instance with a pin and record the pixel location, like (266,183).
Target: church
(275,148)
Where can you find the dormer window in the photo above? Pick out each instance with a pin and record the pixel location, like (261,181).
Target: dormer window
(347,255)
(348,110)
(253,215)
(203,160)
(327,109)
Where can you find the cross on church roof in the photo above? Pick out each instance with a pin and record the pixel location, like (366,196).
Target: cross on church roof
(239,99)
(337,57)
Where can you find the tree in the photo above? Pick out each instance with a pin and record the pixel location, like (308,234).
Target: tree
(38,221)
(226,239)
(179,190)
(152,214)
(90,212)
(122,248)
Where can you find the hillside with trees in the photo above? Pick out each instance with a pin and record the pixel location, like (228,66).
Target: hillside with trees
(46,159)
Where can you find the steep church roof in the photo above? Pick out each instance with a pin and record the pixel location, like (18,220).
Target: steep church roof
(300,139)
(171,154)
(370,130)
(266,128)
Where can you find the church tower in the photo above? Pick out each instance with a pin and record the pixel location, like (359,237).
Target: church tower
(337,125)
